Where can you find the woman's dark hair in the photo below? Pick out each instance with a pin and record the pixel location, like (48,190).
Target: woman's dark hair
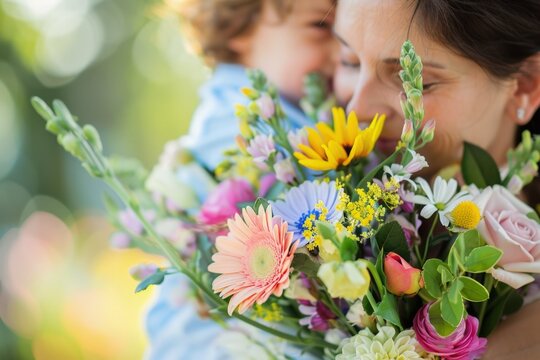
(499,35)
(496,34)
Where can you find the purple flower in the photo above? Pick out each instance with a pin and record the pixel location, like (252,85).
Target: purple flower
(304,201)
(462,344)
(317,317)
(284,170)
(266,105)
(131,223)
(298,137)
(120,240)
(142,271)
(260,148)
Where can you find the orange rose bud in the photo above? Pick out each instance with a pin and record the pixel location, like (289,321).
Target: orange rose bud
(401,277)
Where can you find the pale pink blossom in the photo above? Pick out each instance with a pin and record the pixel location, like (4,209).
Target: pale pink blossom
(505,225)
(253,259)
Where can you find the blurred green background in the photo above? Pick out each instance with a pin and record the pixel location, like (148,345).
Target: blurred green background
(122,66)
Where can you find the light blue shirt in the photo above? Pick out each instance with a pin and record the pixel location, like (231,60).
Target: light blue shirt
(175,330)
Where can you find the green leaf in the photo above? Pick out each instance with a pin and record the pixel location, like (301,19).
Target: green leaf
(348,249)
(379,265)
(482,259)
(452,312)
(496,310)
(534,216)
(514,303)
(277,189)
(154,279)
(390,237)
(388,310)
(260,202)
(446,274)
(462,247)
(454,292)
(327,231)
(432,277)
(478,167)
(305,264)
(472,290)
(442,327)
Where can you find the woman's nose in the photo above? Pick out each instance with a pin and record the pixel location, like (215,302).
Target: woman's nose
(372,97)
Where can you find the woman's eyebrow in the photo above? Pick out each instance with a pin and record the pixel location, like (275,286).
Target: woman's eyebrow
(395,61)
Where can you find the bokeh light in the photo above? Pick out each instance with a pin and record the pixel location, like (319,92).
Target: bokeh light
(64,293)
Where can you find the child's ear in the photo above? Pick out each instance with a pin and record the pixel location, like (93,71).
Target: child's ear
(527,93)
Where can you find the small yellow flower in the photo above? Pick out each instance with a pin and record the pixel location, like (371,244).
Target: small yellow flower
(330,148)
(466,215)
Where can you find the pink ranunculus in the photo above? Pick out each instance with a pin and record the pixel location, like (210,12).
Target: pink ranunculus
(462,344)
(223,201)
(505,225)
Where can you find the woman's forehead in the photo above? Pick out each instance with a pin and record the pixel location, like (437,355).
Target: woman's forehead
(376,29)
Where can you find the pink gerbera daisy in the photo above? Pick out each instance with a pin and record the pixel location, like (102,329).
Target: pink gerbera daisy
(254,259)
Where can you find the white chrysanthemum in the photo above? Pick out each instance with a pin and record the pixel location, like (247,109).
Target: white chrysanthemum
(385,345)
(443,199)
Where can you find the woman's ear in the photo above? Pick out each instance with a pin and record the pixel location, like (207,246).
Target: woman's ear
(527,92)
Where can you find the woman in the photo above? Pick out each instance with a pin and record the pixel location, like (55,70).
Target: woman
(481,81)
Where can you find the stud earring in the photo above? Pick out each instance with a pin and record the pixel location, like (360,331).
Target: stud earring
(520,113)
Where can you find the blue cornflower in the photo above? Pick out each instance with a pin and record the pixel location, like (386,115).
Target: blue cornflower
(306,204)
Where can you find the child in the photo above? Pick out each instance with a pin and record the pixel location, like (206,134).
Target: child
(286,39)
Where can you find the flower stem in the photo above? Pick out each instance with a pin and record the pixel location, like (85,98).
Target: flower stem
(375,274)
(488,284)
(430,235)
(337,311)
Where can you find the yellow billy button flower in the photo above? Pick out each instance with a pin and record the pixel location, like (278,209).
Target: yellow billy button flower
(466,215)
(348,280)
(330,148)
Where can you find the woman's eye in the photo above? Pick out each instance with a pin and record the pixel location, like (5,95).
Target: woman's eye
(321,25)
(429,86)
(350,64)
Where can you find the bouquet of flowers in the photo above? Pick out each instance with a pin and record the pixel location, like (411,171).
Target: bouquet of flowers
(310,237)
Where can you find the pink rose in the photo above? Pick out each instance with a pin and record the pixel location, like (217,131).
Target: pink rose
(505,225)
(462,344)
(223,201)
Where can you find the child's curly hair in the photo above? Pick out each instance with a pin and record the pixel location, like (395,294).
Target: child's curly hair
(209,25)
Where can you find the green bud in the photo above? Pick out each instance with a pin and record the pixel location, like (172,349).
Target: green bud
(72,145)
(63,112)
(55,126)
(241,112)
(250,93)
(526,141)
(415,98)
(254,108)
(92,135)
(42,108)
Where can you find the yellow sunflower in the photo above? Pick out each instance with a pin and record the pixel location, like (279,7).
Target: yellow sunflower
(328,149)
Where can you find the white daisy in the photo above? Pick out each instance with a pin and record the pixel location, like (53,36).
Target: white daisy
(443,199)
(404,173)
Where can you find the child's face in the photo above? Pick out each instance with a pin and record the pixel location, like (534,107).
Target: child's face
(465,102)
(289,48)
